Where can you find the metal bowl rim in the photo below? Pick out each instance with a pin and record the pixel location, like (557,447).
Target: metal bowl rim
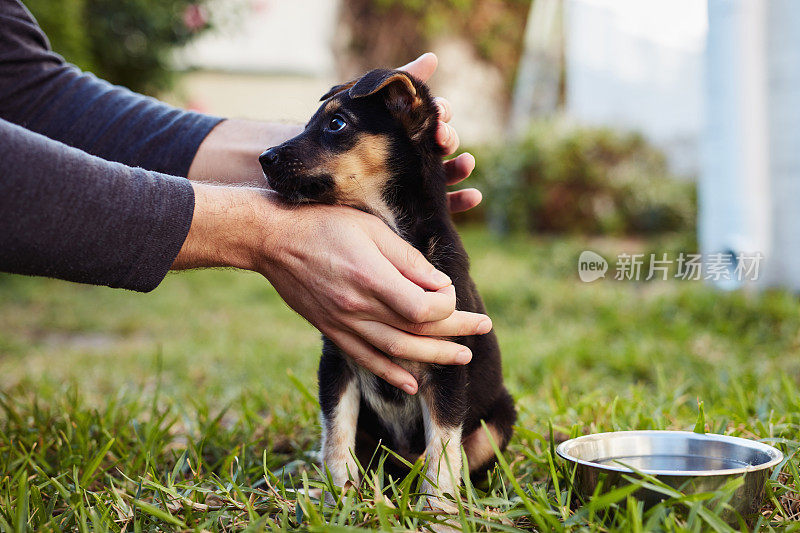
(774,453)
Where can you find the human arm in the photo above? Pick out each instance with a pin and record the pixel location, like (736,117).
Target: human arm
(69,215)
(41,92)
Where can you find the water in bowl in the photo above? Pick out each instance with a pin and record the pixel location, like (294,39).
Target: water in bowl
(672,462)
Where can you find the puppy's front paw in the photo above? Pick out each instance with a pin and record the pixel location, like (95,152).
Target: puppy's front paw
(445,511)
(347,491)
(441,506)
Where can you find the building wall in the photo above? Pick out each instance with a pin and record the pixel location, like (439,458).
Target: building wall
(639,65)
(267,36)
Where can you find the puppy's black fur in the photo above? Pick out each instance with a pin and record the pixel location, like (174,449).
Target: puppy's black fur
(372,145)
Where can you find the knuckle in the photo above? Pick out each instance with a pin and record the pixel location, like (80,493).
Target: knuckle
(384,374)
(446,132)
(349,302)
(452,137)
(464,327)
(420,313)
(395,348)
(361,277)
(413,257)
(416,328)
(444,107)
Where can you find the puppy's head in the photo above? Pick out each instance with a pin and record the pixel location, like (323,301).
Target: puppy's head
(362,144)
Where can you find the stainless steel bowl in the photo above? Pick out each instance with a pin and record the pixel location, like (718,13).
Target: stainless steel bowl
(689,462)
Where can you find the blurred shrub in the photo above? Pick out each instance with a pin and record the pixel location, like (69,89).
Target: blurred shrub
(390,32)
(561,178)
(127,42)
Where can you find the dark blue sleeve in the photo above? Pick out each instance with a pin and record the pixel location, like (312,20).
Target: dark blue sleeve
(70,215)
(42,93)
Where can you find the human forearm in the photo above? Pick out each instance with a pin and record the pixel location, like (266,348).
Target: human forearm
(69,215)
(229,153)
(225,228)
(42,93)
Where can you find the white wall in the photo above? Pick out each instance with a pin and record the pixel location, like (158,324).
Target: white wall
(267,36)
(750,184)
(638,64)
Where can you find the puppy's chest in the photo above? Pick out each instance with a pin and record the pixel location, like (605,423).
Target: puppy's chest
(398,412)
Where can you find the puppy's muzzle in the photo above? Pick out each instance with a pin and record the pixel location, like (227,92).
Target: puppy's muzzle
(271,164)
(287,175)
(268,159)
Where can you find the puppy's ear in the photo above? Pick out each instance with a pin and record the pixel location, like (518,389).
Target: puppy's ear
(336,89)
(403,99)
(398,87)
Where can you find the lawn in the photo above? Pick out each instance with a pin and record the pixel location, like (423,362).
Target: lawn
(193,407)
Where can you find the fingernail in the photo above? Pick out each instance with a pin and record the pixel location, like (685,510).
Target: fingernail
(463,357)
(409,388)
(484,327)
(441,278)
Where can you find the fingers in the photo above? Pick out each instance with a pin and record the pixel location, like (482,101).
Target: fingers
(422,67)
(445,111)
(396,343)
(463,200)
(459,324)
(409,261)
(369,358)
(415,305)
(459,168)
(447,138)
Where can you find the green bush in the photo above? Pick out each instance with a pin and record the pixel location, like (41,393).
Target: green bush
(561,178)
(127,42)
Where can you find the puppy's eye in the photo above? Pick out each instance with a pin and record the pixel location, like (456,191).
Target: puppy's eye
(337,123)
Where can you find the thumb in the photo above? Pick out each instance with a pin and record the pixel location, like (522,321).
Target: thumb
(410,261)
(422,67)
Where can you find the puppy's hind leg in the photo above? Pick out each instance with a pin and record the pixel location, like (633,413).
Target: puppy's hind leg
(499,425)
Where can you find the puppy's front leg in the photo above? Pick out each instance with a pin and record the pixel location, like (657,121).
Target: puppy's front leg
(339,421)
(442,453)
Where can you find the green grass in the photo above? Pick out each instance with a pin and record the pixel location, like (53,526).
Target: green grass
(193,407)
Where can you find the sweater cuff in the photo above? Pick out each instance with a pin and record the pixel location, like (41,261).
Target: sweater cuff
(170,206)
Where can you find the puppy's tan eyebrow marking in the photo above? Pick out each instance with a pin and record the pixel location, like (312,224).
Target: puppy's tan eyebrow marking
(332,105)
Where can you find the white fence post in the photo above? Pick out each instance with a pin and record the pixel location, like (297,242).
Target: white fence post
(734,194)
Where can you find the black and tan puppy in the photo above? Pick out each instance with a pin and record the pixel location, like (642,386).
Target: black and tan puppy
(371,145)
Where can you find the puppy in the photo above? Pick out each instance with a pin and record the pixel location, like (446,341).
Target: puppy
(372,146)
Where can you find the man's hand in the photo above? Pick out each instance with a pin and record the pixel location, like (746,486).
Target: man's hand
(344,270)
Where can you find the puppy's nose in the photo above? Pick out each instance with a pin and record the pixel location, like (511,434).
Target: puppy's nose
(269,157)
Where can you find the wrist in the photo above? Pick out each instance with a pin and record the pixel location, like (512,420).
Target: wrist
(227,228)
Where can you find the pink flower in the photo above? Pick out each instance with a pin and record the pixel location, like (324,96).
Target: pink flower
(194,17)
